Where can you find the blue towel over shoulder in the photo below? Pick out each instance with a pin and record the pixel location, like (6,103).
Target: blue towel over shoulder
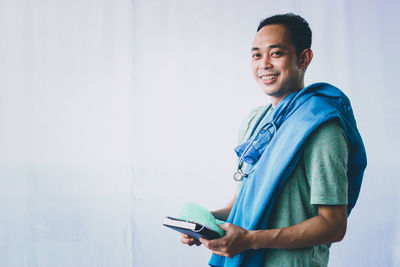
(294,119)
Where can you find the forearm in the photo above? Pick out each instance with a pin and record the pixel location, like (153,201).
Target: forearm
(318,230)
(328,227)
(222,214)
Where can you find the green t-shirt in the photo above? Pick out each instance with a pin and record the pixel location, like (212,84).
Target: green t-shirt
(320,178)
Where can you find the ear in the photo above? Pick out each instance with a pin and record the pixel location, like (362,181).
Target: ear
(305,58)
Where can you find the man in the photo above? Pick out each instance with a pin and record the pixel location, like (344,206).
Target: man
(299,183)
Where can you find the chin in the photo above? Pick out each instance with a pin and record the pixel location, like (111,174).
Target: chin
(270,90)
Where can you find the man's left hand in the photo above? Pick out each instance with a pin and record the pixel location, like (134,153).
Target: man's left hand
(235,241)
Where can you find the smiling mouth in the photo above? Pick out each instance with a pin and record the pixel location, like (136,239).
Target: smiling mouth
(268,78)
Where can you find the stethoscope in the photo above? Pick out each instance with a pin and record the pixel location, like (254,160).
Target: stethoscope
(240,173)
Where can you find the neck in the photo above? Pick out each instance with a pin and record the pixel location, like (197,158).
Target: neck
(275,99)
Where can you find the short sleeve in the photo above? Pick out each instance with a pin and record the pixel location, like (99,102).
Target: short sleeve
(325,162)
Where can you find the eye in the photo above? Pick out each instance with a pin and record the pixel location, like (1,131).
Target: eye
(276,53)
(254,56)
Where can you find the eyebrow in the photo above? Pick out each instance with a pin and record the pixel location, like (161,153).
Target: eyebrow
(271,46)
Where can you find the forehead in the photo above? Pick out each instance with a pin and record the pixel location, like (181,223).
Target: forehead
(274,34)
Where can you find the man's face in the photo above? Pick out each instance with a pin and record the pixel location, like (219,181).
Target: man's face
(274,62)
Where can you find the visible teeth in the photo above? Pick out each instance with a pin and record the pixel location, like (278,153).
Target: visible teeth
(269,77)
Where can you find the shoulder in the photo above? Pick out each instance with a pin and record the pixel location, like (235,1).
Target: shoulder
(325,164)
(256,112)
(327,134)
(326,147)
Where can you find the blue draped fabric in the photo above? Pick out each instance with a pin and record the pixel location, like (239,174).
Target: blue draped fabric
(275,153)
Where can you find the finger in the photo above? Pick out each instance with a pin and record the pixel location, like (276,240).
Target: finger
(216,244)
(188,241)
(184,241)
(225,226)
(220,253)
(195,241)
(186,237)
(204,241)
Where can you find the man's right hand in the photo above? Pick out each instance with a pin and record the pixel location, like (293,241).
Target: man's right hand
(189,240)
(221,214)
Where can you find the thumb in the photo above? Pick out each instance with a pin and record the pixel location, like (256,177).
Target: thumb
(225,226)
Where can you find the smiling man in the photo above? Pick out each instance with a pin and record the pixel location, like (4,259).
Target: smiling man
(276,66)
(301,161)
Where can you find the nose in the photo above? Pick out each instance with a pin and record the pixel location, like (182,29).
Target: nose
(265,63)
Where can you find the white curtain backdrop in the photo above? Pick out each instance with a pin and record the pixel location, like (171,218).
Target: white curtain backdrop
(66,133)
(115,113)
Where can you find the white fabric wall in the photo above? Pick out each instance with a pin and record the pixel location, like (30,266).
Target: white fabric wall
(66,131)
(115,113)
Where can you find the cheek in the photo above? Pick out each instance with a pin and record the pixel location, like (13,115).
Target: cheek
(287,70)
(254,69)
(283,66)
(253,65)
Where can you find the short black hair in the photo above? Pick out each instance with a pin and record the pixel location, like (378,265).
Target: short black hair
(300,31)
